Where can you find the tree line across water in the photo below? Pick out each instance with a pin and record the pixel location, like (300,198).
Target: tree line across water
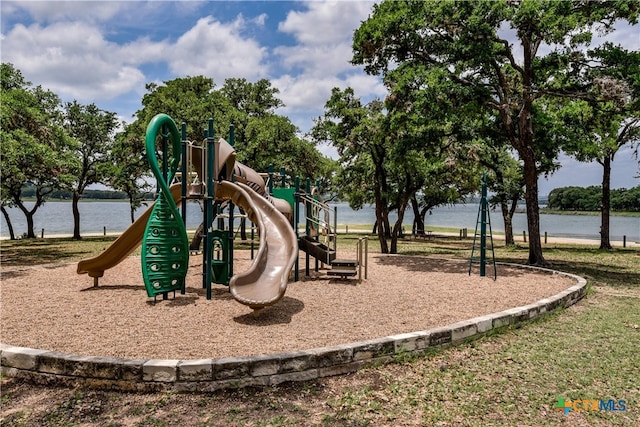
(590,199)
(573,198)
(29,192)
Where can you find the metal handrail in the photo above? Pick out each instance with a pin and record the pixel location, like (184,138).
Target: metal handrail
(320,214)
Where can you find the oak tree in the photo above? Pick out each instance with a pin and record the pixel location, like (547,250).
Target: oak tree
(507,54)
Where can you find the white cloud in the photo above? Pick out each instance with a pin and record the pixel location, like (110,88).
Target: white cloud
(305,92)
(309,92)
(321,59)
(72,59)
(54,11)
(316,59)
(76,60)
(366,86)
(260,20)
(142,51)
(326,22)
(218,50)
(624,34)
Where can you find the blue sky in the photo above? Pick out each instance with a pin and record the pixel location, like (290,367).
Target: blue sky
(105,52)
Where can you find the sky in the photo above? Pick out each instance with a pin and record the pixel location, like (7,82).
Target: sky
(105,52)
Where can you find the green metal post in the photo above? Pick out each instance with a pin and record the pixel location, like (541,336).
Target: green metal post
(283,177)
(296,223)
(232,137)
(307,230)
(219,216)
(307,211)
(185,168)
(483,227)
(209,207)
(270,178)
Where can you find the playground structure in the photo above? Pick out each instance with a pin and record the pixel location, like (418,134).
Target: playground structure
(209,173)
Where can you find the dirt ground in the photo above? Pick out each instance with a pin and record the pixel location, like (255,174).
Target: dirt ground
(53,308)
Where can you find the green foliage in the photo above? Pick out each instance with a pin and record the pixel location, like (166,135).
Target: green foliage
(93,130)
(589,199)
(459,50)
(393,154)
(47,147)
(35,148)
(129,167)
(261,136)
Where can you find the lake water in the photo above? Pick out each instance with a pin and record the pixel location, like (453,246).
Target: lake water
(56,218)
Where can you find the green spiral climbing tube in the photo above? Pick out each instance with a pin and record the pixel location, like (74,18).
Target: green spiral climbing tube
(165,248)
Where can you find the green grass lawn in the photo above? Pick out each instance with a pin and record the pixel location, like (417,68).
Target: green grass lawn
(587,352)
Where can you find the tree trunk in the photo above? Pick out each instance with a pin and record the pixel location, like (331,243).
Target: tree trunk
(382,237)
(605,242)
(423,215)
(30,231)
(382,207)
(132,212)
(197,238)
(28,214)
(507,217)
(508,225)
(76,215)
(397,228)
(243,224)
(12,235)
(418,219)
(533,209)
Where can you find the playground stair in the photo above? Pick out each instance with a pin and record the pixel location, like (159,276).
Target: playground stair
(317,250)
(343,268)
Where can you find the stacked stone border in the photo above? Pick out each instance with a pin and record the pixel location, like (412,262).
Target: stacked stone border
(202,375)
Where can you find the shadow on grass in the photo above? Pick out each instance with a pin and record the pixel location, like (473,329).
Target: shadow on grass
(50,250)
(613,268)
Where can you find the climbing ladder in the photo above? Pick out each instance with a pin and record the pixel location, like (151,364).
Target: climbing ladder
(483,219)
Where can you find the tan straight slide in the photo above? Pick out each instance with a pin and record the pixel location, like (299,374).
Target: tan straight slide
(123,245)
(265,282)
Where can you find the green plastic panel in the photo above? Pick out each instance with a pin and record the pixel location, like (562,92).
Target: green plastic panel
(165,247)
(220,257)
(287,194)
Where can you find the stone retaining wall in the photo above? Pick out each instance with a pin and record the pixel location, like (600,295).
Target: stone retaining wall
(49,367)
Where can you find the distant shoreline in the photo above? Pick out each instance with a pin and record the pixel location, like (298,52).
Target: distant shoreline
(437,231)
(543,211)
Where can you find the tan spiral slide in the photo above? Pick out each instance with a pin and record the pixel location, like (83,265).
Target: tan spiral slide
(265,282)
